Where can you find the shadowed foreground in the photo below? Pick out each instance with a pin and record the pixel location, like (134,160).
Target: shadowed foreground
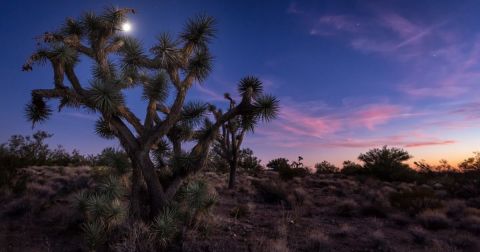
(322,212)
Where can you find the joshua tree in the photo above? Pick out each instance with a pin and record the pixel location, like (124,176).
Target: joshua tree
(119,64)
(234,130)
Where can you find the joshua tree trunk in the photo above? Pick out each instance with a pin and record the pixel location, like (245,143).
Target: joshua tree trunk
(136,186)
(233,171)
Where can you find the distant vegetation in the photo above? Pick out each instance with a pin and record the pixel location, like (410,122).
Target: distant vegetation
(23,151)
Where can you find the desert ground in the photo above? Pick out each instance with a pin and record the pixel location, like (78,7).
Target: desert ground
(316,212)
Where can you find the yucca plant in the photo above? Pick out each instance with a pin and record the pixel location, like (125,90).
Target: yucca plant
(197,198)
(95,234)
(165,73)
(165,226)
(111,187)
(103,209)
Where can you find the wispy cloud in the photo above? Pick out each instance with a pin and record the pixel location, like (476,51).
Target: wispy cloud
(439,61)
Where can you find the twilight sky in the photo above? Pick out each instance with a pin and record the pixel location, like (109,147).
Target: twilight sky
(350,75)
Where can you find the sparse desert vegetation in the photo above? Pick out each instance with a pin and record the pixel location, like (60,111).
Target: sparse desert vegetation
(71,208)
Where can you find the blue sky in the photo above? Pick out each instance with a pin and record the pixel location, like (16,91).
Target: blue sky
(350,75)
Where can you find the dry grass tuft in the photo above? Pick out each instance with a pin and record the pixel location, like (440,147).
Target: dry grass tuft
(434,220)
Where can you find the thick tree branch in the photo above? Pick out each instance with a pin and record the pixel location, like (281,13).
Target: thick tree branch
(151,137)
(114,47)
(126,113)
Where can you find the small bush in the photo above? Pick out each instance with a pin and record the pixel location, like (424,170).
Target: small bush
(471,223)
(351,168)
(240,211)
(346,208)
(136,237)
(290,173)
(415,201)
(387,164)
(318,241)
(419,234)
(165,226)
(465,242)
(434,220)
(278,164)
(273,192)
(326,167)
(95,234)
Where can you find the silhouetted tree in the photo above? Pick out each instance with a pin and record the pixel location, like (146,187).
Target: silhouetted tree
(234,130)
(326,167)
(386,163)
(174,63)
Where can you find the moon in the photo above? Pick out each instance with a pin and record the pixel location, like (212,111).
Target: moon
(126,27)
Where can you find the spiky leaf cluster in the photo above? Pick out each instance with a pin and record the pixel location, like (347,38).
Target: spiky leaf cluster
(199,31)
(198,197)
(94,233)
(200,65)
(193,112)
(165,226)
(37,110)
(156,88)
(250,85)
(267,107)
(105,96)
(166,51)
(103,129)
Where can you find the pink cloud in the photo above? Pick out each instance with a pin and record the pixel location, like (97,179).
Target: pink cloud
(377,114)
(298,122)
(429,143)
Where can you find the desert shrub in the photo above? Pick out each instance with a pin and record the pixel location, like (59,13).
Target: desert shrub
(471,224)
(165,226)
(248,162)
(114,158)
(387,164)
(317,241)
(326,167)
(278,164)
(95,234)
(464,242)
(135,237)
(415,200)
(433,219)
(379,243)
(288,171)
(240,211)
(373,209)
(471,164)
(346,208)
(344,230)
(196,199)
(103,210)
(351,168)
(271,192)
(419,234)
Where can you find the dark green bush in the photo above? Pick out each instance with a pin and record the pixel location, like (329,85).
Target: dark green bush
(351,168)
(415,200)
(278,164)
(386,164)
(326,167)
(287,171)
(271,192)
